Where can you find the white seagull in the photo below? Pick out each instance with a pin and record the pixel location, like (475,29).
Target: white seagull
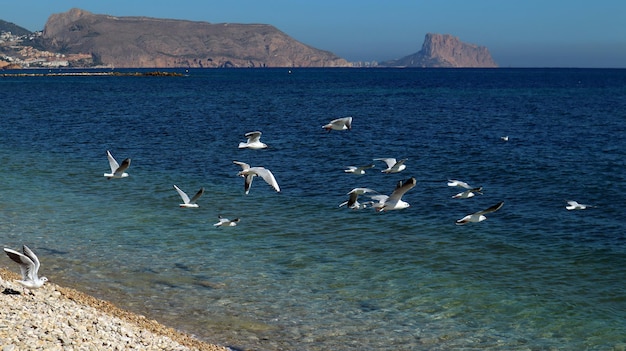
(344,123)
(186,201)
(249,172)
(225,222)
(393,166)
(354,195)
(29,266)
(468,193)
(358,170)
(117,171)
(253,141)
(460,184)
(504,138)
(573,205)
(394,201)
(480,215)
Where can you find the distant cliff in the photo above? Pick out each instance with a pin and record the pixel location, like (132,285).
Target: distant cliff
(444,50)
(149,42)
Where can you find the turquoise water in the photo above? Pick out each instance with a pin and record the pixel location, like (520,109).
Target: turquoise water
(298,272)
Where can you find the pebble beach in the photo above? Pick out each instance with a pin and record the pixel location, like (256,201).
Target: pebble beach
(59,318)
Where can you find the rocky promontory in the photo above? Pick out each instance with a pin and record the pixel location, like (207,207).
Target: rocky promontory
(151,42)
(444,50)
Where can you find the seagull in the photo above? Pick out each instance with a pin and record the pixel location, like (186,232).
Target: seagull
(249,173)
(117,171)
(339,124)
(393,166)
(460,184)
(358,170)
(573,205)
(225,222)
(354,195)
(394,201)
(253,141)
(505,138)
(186,201)
(29,266)
(480,215)
(468,193)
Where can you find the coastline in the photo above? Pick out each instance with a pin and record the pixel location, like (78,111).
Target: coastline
(56,318)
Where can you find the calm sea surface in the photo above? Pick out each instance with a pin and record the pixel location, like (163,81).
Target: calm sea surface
(299,272)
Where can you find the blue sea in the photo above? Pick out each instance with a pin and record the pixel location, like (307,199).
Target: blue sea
(299,272)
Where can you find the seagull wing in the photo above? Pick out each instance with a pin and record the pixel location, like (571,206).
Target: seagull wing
(493,208)
(362,168)
(125,164)
(182,194)
(197,196)
(31,255)
(453,182)
(27,266)
(112,162)
(389,161)
(253,136)
(267,175)
(244,166)
(400,190)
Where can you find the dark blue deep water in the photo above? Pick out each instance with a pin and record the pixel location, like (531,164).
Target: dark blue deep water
(299,272)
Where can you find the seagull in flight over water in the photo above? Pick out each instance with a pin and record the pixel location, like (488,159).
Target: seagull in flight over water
(225,222)
(480,215)
(393,166)
(250,172)
(29,267)
(358,170)
(394,201)
(573,205)
(117,171)
(253,141)
(354,195)
(187,202)
(468,193)
(344,123)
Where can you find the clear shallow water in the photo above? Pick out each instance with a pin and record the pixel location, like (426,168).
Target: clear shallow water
(299,273)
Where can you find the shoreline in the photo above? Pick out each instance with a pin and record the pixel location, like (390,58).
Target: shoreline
(56,317)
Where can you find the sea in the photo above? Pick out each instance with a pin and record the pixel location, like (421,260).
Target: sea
(299,272)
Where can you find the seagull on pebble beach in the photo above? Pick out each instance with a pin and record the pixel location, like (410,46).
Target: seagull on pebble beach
(358,170)
(249,172)
(394,201)
(480,215)
(187,202)
(573,205)
(344,123)
(29,266)
(117,171)
(393,166)
(225,222)
(253,141)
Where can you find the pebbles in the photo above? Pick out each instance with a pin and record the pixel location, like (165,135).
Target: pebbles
(57,318)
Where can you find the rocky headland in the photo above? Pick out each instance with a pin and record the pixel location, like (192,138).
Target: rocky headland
(445,50)
(150,42)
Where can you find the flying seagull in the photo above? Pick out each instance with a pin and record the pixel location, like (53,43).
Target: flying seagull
(225,222)
(393,166)
(468,193)
(394,201)
(480,215)
(29,266)
(352,201)
(344,123)
(573,205)
(460,184)
(253,141)
(117,171)
(358,170)
(249,172)
(186,201)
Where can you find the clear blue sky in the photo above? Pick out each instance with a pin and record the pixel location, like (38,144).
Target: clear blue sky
(518,33)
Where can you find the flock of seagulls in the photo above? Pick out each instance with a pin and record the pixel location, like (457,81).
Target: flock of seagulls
(29,263)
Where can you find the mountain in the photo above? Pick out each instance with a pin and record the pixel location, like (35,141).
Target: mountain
(150,42)
(444,50)
(13,28)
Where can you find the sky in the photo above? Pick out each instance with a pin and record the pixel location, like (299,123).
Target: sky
(518,33)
